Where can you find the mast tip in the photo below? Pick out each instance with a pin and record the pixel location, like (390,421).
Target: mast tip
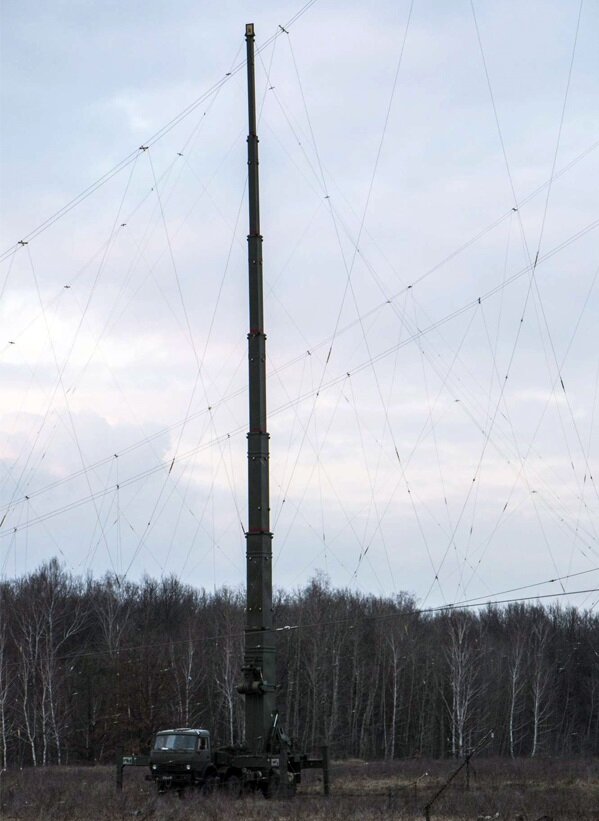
(249,29)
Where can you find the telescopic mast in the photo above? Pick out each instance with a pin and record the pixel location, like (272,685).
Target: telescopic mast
(268,760)
(258,684)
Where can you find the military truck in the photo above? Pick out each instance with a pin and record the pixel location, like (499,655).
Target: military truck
(183,757)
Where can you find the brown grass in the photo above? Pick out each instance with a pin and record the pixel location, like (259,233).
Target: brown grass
(501,789)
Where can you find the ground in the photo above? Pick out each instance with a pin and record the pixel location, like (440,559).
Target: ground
(523,790)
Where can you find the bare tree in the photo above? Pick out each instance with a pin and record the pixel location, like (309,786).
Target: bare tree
(517,686)
(5,692)
(461,659)
(228,658)
(540,681)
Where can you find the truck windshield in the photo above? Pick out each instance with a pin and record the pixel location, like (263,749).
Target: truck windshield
(173,741)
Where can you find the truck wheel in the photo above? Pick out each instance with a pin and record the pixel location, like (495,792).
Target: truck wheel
(272,788)
(210,785)
(233,785)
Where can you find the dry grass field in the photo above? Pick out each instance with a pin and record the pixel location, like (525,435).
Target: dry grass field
(525,790)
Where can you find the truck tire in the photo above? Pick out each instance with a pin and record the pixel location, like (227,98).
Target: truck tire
(232,785)
(210,785)
(272,788)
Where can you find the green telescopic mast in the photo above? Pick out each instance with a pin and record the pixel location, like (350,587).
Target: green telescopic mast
(258,683)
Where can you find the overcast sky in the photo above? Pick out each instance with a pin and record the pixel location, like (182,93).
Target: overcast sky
(433,392)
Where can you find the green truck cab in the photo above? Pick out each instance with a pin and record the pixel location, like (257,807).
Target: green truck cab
(182,757)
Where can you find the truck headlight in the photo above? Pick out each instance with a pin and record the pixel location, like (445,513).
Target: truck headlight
(188,766)
(154,766)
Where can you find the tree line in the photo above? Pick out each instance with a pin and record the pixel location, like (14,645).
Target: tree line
(89,666)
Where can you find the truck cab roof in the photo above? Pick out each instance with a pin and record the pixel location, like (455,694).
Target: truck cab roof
(186,731)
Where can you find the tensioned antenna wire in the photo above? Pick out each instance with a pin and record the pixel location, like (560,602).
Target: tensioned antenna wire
(161,205)
(194,133)
(192,542)
(104,509)
(173,262)
(198,378)
(582,155)
(284,487)
(444,379)
(156,185)
(60,294)
(533,265)
(175,458)
(533,280)
(322,182)
(158,135)
(373,499)
(199,525)
(356,245)
(81,501)
(493,346)
(521,473)
(306,436)
(140,253)
(562,171)
(540,422)
(383,134)
(531,283)
(199,365)
(435,366)
(7,277)
(462,247)
(360,540)
(424,431)
(590,440)
(22,483)
(551,508)
(299,142)
(348,519)
(311,418)
(103,253)
(434,267)
(432,424)
(349,268)
(561,124)
(212,423)
(277,505)
(61,371)
(390,393)
(589,443)
(420,332)
(335,380)
(328,548)
(541,305)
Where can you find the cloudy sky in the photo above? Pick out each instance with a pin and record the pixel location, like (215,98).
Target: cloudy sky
(432,388)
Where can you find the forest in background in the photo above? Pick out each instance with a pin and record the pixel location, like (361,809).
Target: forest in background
(88,667)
